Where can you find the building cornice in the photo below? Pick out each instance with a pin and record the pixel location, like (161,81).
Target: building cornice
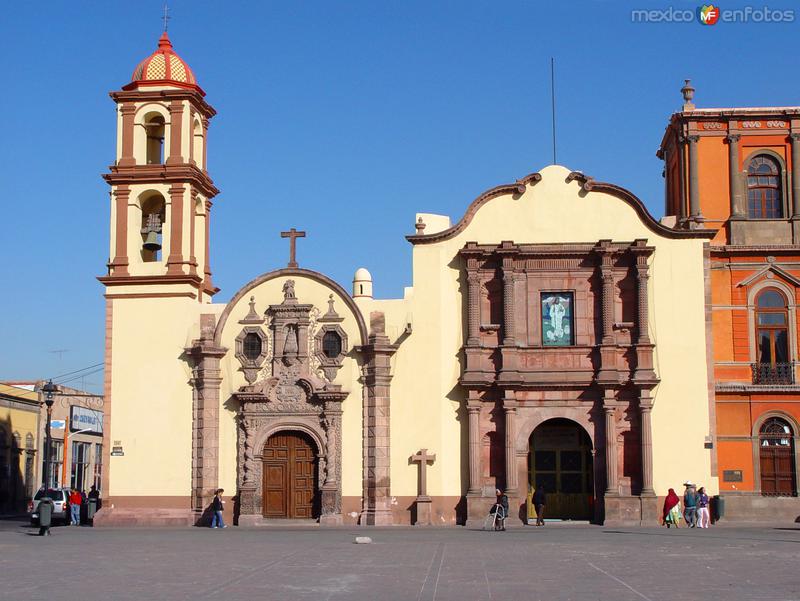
(172,174)
(191,95)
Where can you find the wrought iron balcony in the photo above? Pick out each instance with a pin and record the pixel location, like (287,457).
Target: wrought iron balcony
(772,374)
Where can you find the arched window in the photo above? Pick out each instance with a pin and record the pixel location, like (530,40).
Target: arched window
(776,454)
(154,126)
(772,327)
(197,144)
(764,198)
(153,214)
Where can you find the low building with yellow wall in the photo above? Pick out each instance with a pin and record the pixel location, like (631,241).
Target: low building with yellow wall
(19,428)
(554,337)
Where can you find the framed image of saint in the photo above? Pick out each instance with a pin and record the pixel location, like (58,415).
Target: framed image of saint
(557,319)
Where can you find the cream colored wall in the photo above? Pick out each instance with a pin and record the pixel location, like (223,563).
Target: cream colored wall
(151,399)
(425,398)
(308,291)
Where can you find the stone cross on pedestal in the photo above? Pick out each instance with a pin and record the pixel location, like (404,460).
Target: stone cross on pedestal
(423,503)
(293,235)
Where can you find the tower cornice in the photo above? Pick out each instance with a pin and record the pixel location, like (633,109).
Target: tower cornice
(193,96)
(173,174)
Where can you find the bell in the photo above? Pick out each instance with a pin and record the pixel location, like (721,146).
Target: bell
(151,242)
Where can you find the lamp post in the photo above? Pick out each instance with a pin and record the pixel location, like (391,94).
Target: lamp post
(49,390)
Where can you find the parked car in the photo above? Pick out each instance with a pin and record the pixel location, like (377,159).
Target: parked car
(60,498)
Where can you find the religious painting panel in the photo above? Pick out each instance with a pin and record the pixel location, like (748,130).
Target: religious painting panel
(558,327)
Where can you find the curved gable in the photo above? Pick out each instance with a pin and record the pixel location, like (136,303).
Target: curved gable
(588,184)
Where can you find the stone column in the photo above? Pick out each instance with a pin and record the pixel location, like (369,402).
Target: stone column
(509,338)
(474,405)
(175,258)
(510,409)
(607,275)
(734,177)
(331,510)
(175,133)
(474,307)
(642,277)
(645,410)
(694,180)
(128,111)
(612,479)
(119,264)
(377,509)
(795,137)
(206,380)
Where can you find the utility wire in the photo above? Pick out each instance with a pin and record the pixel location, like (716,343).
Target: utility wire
(69,373)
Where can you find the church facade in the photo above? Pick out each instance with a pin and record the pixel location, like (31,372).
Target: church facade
(525,354)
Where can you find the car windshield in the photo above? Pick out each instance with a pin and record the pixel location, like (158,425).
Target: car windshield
(56,495)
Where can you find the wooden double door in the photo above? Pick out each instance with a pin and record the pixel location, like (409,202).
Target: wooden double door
(290,476)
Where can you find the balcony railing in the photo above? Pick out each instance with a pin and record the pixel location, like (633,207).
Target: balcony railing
(771,374)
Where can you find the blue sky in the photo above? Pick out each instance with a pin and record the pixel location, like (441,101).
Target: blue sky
(340,118)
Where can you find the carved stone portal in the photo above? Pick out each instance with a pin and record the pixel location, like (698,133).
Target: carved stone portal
(289,396)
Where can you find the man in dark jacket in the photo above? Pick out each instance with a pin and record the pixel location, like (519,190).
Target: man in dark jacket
(539,501)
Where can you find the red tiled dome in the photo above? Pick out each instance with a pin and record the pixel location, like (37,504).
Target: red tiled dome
(163,68)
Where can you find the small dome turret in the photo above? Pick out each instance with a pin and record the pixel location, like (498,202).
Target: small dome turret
(362,284)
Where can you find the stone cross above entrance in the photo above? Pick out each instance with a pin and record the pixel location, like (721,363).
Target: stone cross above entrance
(423,458)
(293,234)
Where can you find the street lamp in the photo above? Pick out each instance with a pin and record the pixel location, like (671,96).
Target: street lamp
(49,390)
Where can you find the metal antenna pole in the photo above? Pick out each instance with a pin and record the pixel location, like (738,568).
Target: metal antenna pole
(553,102)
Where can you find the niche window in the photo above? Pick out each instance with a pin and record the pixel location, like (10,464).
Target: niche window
(153,214)
(251,346)
(332,344)
(197,144)
(155,127)
(764,198)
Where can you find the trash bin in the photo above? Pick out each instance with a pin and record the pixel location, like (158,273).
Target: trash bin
(718,507)
(45,512)
(91,509)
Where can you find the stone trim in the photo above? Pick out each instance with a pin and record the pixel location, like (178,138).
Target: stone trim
(138,96)
(517,188)
(107,399)
(206,380)
(377,353)
(178,174)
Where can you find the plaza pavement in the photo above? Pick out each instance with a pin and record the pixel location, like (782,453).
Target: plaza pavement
(557,562)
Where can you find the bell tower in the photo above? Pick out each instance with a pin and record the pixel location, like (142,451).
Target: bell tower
(158,283)
(160,189)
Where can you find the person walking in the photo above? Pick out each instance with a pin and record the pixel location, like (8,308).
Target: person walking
(75,500)
(217,506)
(703,516)
(671,515)
(539,500)
(690,504)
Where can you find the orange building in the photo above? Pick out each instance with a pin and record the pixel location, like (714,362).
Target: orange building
(737,170)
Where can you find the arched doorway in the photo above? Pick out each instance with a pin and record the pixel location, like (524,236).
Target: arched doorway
(776,458)
(290,476)
(560,460)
